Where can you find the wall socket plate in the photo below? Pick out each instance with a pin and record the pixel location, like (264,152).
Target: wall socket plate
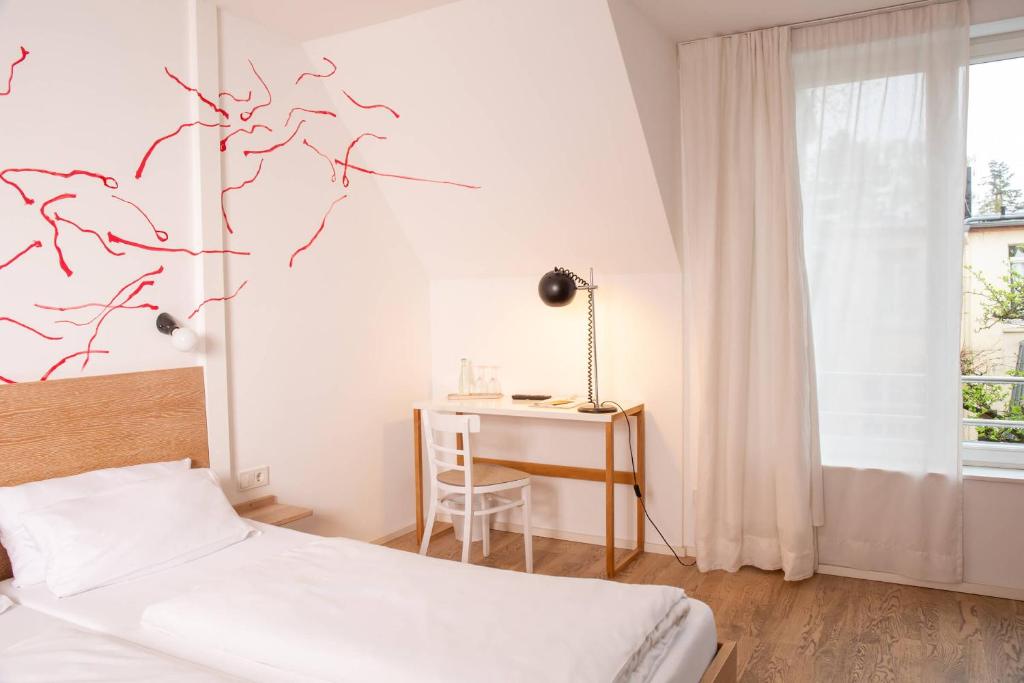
(254,478)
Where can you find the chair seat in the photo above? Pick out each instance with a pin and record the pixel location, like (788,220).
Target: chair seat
(483,475)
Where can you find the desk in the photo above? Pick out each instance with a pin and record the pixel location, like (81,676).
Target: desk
(506,407)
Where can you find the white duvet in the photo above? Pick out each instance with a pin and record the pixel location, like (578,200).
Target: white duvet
(65,654)
(342,610)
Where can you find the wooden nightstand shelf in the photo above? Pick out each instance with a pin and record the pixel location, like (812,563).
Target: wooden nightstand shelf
(266,509)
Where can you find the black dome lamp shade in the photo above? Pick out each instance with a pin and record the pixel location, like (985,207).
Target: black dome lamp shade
(558,288)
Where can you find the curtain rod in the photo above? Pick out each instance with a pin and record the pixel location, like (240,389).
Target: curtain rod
(828,20)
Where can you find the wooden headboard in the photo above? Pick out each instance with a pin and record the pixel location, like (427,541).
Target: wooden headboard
(63,427)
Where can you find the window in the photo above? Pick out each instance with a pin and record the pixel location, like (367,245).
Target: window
(992,334)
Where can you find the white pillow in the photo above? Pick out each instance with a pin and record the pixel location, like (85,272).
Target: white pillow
(133,530)
(15,501)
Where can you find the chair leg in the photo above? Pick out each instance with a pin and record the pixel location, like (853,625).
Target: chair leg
(485,523)
(429,529)
(467,528)
(527,532)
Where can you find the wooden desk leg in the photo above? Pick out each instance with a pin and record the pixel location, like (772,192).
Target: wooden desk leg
(417,454)
(609,498)
(641,444)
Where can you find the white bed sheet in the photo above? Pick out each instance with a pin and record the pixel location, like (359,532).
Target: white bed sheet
(118,609)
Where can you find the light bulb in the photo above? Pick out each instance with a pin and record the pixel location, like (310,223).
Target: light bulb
(184,339)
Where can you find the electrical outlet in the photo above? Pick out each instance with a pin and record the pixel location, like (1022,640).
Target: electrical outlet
(254,478)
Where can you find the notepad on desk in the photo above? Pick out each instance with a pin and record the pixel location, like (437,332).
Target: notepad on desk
(562,402)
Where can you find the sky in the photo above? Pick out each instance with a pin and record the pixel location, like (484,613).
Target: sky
(995,120)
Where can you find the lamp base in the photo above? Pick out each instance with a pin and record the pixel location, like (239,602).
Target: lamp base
(591,408)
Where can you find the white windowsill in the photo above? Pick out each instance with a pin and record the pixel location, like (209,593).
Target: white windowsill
(999,474)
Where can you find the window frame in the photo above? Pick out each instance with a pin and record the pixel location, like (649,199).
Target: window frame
(992,43)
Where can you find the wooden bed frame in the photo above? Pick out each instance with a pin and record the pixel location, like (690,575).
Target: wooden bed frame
(63,427)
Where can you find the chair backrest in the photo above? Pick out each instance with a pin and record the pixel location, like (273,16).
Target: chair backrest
(441,423)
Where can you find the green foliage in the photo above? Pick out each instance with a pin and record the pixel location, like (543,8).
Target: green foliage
(981,400)
(1002,301)
(1000,195)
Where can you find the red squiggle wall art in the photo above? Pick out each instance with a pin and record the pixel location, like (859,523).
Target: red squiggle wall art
(217,298)
(223,208)
(29,328)
(270,97)
(161,235)
(56,229)
(348,151)
(243,131)
(149,152)
(90,318)
(10,74)
(33,245)
(108,182)
(202,98)
(371,106)
(334,174)
(323,222)
(279,145)
(334,70)
(319,112)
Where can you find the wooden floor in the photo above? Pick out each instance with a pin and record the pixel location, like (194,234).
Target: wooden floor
(827,628)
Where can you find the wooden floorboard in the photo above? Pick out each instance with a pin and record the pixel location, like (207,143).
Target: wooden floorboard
(827,628)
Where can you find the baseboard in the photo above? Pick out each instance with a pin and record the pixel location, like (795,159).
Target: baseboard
(393,535)
(886,577)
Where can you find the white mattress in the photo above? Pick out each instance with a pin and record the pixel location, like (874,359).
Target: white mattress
(117,610)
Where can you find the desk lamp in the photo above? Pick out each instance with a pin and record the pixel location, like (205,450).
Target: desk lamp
(558,288)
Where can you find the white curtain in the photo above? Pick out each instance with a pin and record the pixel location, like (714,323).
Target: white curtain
(881,121)
(749,413)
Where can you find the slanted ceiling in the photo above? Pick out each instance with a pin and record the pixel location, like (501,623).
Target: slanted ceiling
(530,100)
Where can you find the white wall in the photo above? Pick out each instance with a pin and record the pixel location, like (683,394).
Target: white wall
(650,57)
(325,356)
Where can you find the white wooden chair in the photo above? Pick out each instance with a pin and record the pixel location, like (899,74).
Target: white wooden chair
(470,490)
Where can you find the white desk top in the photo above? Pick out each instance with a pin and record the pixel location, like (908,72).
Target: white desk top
(507,407)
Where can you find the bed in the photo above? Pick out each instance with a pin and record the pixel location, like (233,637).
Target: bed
(119,420)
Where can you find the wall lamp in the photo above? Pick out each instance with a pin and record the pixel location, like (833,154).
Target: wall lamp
(558,288)
(182,338)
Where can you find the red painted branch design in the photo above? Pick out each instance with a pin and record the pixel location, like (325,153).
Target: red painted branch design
(35,245)
(270,98)
(225,93)
(223,208)
(381,174)
(334,175)
(322,112)
(319,230)
(60,219)
(344,174)
(202,98)
(371,106)
(29,328)
(106,306)
(10,74)
(160,234)
(106,314)
(111,237)
(334,70)
(65,359)
(7,381)
(108,182)
(217,298)
(148,307)
(279,145)
(149,152)
(56,229)
(250,131)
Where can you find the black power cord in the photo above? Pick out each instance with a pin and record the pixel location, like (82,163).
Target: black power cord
(636,486)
